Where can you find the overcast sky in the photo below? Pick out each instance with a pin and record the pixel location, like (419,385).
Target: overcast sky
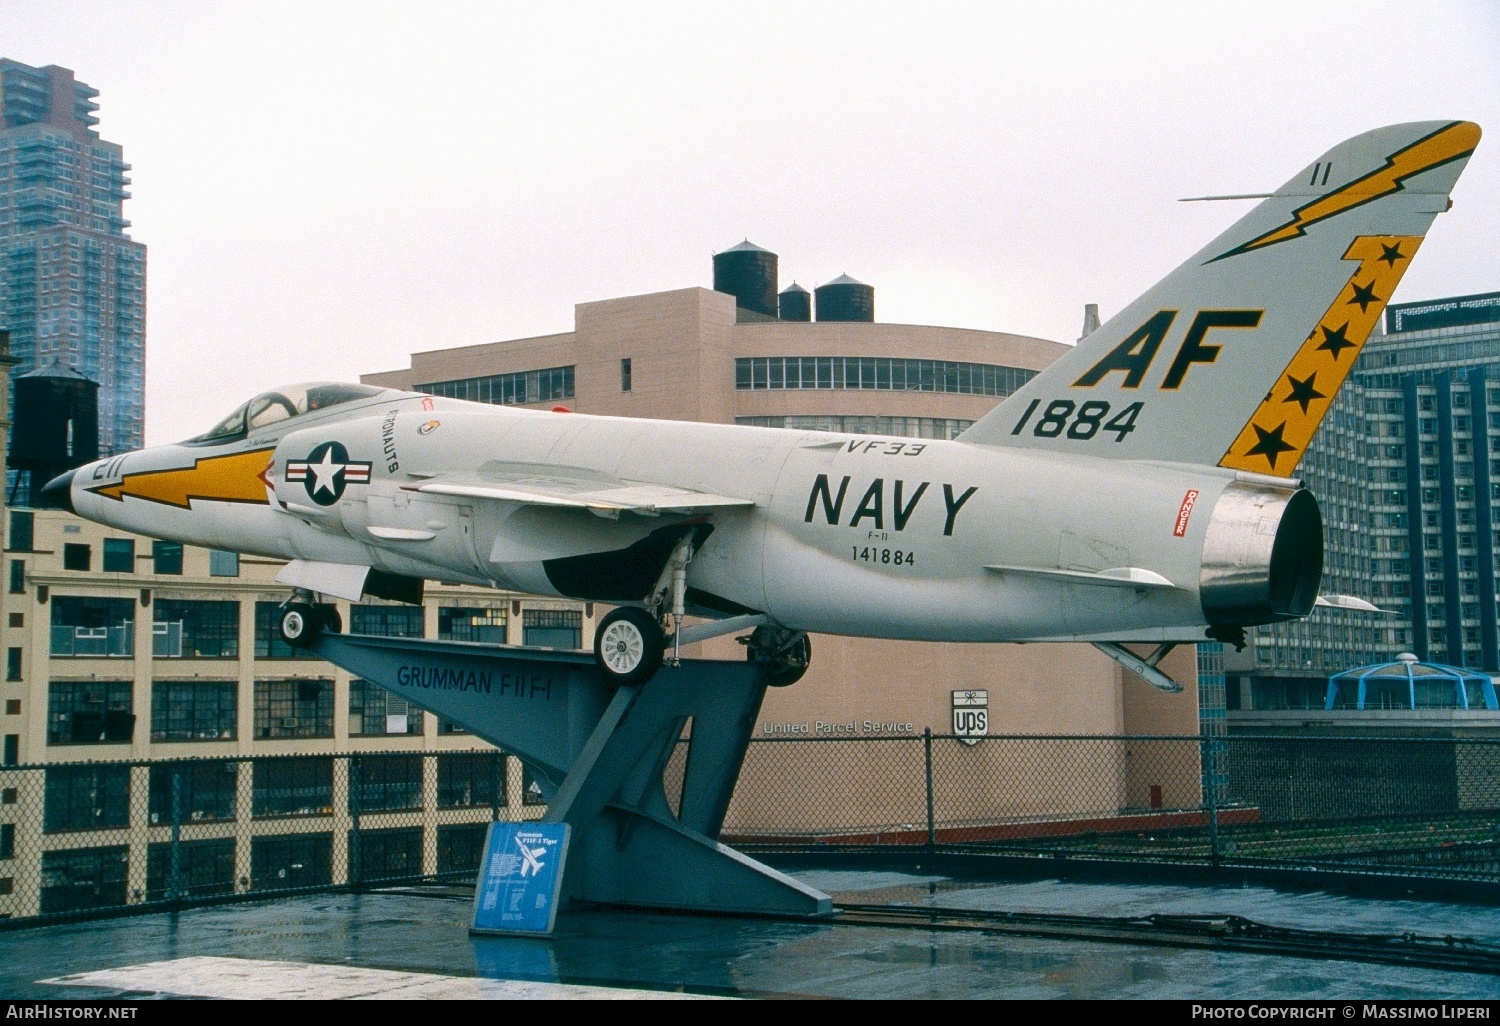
(326,187)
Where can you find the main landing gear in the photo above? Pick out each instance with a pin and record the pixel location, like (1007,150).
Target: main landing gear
(789,652)
(629,646)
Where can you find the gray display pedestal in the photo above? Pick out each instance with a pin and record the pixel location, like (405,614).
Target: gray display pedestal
(599,755)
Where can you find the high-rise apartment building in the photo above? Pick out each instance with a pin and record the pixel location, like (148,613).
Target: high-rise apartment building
(1406,468)
(72,283)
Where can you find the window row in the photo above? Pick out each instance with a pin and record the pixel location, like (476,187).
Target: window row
(100,712)
(537,386)
(96,796)
(118,556)
(96,627)
(90,878)
(946,428)
(877,372)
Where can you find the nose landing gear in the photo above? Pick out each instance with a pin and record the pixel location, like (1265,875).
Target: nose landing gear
(302,621)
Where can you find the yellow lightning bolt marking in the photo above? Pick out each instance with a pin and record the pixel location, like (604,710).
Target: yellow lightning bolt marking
(238,477)
(1282,427)
(1455,141)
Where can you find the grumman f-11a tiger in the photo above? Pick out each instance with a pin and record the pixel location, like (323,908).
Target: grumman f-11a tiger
(1139,489)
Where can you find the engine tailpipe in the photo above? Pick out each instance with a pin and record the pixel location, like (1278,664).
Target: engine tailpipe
(1262,556)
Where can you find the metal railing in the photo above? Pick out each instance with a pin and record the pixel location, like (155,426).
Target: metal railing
(82,838)
(1406,806)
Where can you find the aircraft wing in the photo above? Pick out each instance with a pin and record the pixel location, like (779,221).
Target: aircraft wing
(572,488)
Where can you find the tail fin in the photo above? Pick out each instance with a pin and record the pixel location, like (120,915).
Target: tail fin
(1234,358)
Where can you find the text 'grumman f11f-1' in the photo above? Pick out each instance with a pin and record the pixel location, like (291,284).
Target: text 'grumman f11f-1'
(1138,489)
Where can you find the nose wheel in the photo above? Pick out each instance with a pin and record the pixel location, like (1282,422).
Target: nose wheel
(628,646)
(301,623)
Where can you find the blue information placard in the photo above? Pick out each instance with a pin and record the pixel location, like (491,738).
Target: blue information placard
(520,878)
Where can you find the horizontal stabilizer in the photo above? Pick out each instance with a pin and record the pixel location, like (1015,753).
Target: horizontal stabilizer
(1118,577)
(1347,602)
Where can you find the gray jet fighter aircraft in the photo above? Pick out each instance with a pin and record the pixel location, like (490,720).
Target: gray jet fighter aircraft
(1137,490)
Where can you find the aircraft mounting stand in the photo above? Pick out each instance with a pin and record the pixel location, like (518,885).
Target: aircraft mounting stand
(599,753)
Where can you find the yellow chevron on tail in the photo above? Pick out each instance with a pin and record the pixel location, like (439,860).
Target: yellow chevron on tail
(1282,427)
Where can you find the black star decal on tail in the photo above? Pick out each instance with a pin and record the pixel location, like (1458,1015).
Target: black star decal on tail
(1269,444)
(1364,295)
(1334,340)
(1303,392)
(1390,254)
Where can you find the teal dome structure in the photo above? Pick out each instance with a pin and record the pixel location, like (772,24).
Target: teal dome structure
(1409,683)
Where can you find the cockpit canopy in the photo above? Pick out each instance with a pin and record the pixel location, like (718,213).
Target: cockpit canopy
(283,404)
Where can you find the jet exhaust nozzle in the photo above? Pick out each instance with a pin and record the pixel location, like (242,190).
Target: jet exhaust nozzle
(58,493)
(1262,556)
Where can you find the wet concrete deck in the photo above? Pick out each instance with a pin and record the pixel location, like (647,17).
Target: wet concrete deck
(405,934)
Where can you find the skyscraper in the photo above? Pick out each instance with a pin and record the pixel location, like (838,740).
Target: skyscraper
(1406,468)
(72,283)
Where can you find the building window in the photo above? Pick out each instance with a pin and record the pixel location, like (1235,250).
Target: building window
(12,754)
(183,710)
(552,628)
(166,558)
(394,854)
(22,523)
(89,713)
(188,629)
(204,869)
(293,708)
(292,787)
(76,556)
(387,621)
(946,428)
(91,627)
(119,555)
(205,791)
(375,712)
(291,861)
(223,564)
(445,726)
(385,783)
(625,375)
(83,879)
(13,663)
(87,797)
(268,643)
(471,623)
(460,846)
(877,373)
(7,840)
(18,577)
(538,386)
(468,779)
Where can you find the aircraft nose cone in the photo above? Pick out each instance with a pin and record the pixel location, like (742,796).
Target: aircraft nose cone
(58,494)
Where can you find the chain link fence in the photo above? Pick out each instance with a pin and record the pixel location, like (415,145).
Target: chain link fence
(86,838)
(93,836)
(1409,806)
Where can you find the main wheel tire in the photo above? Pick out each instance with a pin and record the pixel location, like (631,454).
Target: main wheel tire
(786,676)
(299,624)
(628,646)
